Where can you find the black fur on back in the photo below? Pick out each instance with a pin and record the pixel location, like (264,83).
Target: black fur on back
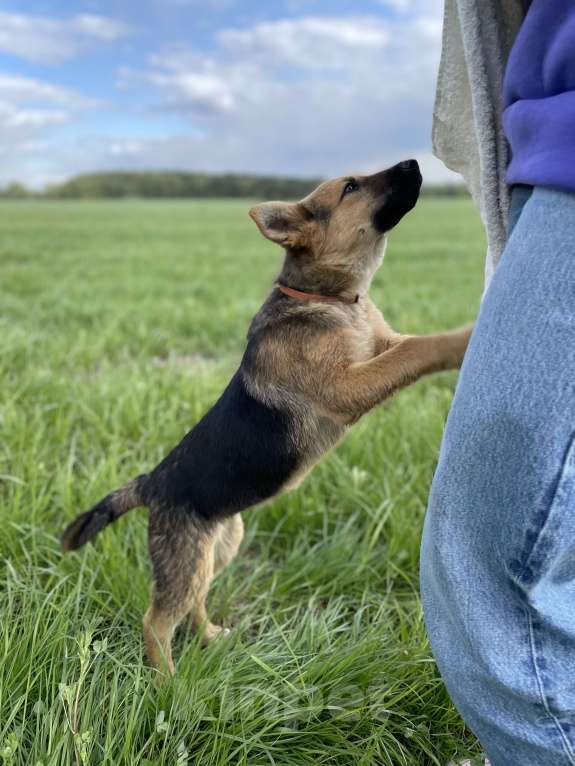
(239,454)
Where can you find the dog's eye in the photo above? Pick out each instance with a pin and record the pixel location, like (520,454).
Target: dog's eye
(350,186)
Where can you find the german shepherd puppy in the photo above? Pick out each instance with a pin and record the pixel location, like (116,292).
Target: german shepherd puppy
(319,355)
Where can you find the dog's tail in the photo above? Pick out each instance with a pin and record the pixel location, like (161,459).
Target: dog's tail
(88,524)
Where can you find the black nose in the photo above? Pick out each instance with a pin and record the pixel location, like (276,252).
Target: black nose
(409,165)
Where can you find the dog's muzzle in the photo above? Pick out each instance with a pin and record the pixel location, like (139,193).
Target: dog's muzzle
(398,188)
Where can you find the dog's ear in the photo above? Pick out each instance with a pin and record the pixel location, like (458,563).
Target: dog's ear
(282,222)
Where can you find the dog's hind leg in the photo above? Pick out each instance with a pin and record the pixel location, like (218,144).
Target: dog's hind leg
(228,539)
(182,552)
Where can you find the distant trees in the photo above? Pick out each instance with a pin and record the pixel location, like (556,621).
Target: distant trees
(171,184)
(174,184)
(14,190)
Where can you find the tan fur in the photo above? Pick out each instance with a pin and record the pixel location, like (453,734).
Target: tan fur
(186,559)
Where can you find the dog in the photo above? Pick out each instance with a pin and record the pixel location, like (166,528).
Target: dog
(319,355)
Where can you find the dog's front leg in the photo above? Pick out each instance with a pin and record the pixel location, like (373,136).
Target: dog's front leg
(363,385)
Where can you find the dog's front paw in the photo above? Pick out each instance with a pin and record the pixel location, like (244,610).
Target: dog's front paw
(459,340)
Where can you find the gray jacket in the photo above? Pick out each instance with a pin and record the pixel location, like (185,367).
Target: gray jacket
(467,131)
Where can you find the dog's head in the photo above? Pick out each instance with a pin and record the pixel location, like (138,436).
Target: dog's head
(341,225)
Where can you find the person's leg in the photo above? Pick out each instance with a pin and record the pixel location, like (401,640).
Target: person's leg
(519,196)
(498,550)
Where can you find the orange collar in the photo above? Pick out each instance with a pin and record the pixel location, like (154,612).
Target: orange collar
(316,296)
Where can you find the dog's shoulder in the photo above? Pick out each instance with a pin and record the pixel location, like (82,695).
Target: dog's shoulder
(280,315)
(285,336)
(303,329)
(296,349)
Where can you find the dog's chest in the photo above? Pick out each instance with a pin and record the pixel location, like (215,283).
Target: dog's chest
(363,336)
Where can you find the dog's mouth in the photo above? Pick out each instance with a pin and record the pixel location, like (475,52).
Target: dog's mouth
(403,184)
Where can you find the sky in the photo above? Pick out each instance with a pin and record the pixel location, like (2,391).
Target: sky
(290,87)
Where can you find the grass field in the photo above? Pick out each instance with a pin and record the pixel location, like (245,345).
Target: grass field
(120,324)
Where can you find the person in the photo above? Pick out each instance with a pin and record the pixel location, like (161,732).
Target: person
(498,547)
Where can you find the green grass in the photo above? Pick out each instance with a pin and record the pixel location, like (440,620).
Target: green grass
(120,324)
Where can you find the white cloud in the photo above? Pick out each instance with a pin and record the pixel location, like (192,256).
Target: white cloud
(307,95)
(99,27)
(46,40)
(202,90)
(414,6)
(213,5)
(195,153)
(30,110)
(12,118)
(311,42)
(398,5)
(24,89)
(126,148)
(353,60)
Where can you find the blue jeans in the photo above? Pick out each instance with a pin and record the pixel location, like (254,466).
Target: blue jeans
(498,549)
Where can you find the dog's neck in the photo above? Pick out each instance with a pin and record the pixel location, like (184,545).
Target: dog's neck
(301,273)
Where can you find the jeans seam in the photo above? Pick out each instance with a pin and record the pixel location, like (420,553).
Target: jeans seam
(544,701)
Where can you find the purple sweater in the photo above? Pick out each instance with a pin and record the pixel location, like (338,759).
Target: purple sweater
(539,97)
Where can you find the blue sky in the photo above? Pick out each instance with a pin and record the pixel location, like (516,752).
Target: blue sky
(296,87)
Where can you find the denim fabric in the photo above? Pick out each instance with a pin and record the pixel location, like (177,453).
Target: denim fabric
(498,549)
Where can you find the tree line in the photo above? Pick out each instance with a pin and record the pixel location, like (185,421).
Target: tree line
(168,184)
